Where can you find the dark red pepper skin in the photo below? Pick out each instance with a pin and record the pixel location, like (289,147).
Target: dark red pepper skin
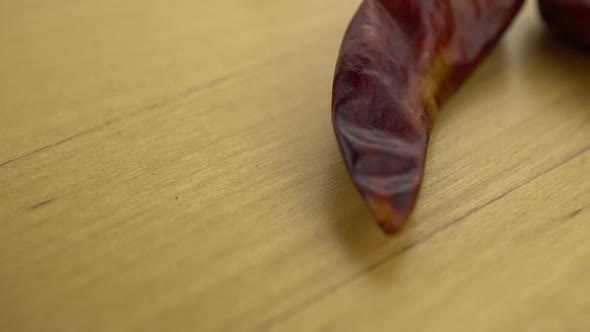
(570,18)
(400,59)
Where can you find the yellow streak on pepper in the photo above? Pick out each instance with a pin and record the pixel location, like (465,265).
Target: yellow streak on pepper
(437,73)
(388,219)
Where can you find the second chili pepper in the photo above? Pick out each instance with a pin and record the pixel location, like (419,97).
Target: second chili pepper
(571,18)
(398,62)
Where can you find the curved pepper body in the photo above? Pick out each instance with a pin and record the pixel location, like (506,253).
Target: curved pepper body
(398,62)
(571,18)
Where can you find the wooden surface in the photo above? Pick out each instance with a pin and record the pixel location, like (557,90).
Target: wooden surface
(170,166)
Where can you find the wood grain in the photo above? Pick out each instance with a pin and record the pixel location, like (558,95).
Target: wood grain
(170,166)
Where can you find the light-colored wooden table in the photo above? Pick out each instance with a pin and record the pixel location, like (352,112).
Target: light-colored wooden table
(170,166)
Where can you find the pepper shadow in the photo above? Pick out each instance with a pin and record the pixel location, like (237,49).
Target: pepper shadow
(356,230)
(560,58)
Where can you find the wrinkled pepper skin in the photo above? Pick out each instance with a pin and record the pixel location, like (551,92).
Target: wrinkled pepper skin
(570,18)
(400,60)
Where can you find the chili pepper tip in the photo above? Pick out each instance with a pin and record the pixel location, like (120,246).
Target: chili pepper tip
(387,217)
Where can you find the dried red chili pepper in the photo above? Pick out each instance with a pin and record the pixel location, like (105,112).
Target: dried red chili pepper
(570,18)
(399,60)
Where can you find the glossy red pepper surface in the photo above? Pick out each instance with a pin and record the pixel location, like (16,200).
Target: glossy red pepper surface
(571,18)
(400,59)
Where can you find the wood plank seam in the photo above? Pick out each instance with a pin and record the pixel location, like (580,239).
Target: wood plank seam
(183,95)
(343,283)
(43,203)
(187,93)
